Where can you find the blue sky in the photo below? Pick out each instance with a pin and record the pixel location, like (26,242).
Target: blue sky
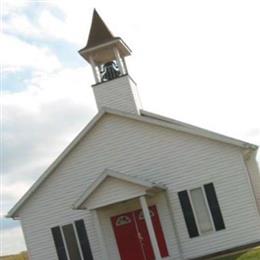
(195,61)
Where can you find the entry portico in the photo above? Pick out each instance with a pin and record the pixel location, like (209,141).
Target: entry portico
(112,189)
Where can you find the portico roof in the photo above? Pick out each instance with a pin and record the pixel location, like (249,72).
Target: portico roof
(114,187)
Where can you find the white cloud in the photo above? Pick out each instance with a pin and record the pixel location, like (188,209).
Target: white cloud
(48,113)
(53,27)
(46,26)
(17,54)
(75,25)
(12,241)
(62,84)
(10,6)
(19,23)
(15,189)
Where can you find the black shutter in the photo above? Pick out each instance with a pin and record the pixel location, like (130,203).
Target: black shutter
(214,206)
(59,245)
(83,238)
(188,214)
(71,242)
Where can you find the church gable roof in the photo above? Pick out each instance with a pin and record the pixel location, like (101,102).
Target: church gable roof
(144,117)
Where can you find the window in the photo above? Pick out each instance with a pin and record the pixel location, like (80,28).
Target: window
(71,241)
(201,210)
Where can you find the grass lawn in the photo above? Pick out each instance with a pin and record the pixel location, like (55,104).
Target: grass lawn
(21,256)
(252,254)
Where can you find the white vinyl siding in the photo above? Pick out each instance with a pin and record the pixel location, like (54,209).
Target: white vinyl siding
(153,153)
(113,190)
(119,93)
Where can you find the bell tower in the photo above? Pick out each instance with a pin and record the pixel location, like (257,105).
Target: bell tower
(106,54)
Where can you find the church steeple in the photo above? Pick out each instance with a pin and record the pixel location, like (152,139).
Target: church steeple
(106,54)
(104,51)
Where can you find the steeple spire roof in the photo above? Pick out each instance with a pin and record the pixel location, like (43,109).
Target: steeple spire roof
(102,44)
(99,32)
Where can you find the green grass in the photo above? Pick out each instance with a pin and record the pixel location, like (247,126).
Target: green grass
(252,254)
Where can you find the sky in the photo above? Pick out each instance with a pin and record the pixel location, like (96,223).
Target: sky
(194,61)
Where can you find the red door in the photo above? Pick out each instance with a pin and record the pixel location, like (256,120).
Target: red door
(127,237)
(133,238)
(157,229)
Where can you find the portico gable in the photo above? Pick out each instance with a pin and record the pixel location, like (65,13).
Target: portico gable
(114,187)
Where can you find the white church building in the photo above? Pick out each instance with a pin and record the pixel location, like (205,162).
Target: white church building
(134,185)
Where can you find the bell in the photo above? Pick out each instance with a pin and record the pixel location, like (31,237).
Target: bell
(110,71)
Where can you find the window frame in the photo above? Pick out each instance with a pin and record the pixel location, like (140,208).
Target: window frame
(207,207)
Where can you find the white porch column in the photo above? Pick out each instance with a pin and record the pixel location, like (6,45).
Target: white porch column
(100,234)
(150,228)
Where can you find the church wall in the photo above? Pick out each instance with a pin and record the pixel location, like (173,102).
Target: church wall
(180,161)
